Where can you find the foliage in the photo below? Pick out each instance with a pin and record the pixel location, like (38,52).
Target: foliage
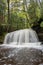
(16,20)
(41,25)
(41,9)
(2,10)
(34,12)
(20,13)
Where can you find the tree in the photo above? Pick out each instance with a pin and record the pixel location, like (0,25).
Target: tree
(8,1)
(41,9)
(2,11)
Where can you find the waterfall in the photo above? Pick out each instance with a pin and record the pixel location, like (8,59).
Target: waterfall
(22,47)
(22,37)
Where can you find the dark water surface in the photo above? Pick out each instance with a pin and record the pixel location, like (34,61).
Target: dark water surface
(20,56)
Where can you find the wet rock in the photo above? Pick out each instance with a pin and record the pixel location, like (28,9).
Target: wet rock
(20,56)
(41,64)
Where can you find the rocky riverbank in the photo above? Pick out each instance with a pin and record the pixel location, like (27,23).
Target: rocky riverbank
(18,56)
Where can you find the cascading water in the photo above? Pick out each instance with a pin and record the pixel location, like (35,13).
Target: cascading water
(21,47)
(21,37)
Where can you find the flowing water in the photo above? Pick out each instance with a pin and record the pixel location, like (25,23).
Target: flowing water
(21,47)
(21,36)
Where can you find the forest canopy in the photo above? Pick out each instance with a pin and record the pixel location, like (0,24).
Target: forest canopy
(16,13)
